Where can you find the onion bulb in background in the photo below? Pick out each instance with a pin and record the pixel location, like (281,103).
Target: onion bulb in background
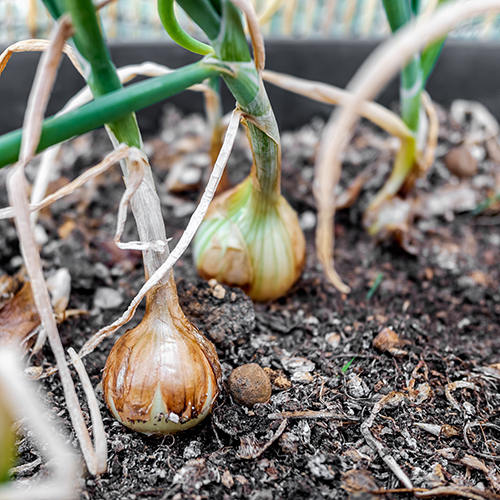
(251,240)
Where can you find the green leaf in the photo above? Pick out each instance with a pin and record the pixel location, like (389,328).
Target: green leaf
(203,13)
(375,285)
(55,8)
(108,108)
(431,53)
(429,58)
(231,44)
(177,34)
(398,12)
(348,365)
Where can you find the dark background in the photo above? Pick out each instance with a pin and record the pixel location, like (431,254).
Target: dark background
(466,70)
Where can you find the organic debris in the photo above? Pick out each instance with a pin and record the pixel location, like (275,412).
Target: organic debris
(388,340)
(430,409)
(19,318)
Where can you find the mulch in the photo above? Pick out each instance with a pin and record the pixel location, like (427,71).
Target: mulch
(348,417)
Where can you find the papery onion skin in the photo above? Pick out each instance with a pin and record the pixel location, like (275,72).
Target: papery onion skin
(251,242)
(162,376)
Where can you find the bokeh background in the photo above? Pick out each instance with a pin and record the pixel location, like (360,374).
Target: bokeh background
(127,20)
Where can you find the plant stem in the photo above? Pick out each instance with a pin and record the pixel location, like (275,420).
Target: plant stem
(431,53)
(246,86)
(203,13)
(213,110)
(108,108)
(399,13)
(411,88)
(403,165)
(177,34)
(413,78)
(103,78)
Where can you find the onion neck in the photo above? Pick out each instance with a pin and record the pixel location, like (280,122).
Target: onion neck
(263,135)
(162,302)
(146,208)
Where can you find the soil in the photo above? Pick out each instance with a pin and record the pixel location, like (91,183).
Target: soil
(344,409)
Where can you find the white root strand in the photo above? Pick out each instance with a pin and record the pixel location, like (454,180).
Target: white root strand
(45,172)
(40,93)
(24,403)
(137,169)
(432,133)
(36,46)
(17,188)
(185,240)
(329,94)
(47,164)
(373,75)
(118,154)
(95,414)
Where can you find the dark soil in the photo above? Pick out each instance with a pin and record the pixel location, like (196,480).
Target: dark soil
(317,437)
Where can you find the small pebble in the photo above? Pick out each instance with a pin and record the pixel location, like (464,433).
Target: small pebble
(460,162)
(304,377)
(107,298)
(219,292)
(307,220)
(297,364)
(333,339)
(249,385)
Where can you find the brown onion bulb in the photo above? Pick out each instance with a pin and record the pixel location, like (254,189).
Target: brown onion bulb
(162,376)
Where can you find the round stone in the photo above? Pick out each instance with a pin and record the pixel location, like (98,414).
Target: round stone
(249,385)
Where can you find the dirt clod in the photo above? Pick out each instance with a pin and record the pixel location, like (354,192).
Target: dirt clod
(249,385)
(460,162)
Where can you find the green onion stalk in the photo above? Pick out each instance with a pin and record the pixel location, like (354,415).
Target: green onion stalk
(408,162)
(108,108)
(250,237)
(266,236)
(162,376)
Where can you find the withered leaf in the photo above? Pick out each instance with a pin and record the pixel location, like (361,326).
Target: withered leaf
(18,318)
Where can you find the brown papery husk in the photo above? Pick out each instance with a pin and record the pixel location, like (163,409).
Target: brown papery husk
(165,352)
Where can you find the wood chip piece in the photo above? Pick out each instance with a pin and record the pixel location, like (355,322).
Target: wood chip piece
(251,448)
(227,479)
(388,341)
